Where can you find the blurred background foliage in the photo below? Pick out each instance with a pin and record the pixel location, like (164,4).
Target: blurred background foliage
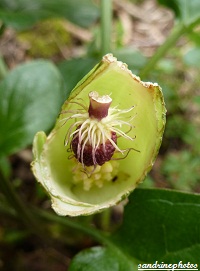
(159,40)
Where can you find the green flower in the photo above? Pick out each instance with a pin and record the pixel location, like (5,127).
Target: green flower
(104,142)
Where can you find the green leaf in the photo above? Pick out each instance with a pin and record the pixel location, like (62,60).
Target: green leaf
(189,11)
(161,225)
(21,20)
(5,167)
(100,259)
(194,36)
(172,4)
(192,58)
(30,100)
(196,99)
(175,169)
(23,14)
(75,69)
(133,58)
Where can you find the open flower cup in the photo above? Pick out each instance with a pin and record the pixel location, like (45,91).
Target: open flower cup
(104,142)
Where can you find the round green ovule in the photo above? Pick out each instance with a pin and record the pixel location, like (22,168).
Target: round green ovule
(97,176)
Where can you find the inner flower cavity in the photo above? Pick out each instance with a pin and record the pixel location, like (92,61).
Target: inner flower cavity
(92,138)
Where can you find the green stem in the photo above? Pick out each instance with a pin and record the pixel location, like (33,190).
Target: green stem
(97,235)
(6,209)
(3,68)
(106,22)
(66,222)
(23,212)
(176,33)
(105,218)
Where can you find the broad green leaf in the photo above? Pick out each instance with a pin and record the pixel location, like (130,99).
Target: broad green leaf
(22,19)
(75,69)
(161,225)
(30,99)
(100,259)
(22,14)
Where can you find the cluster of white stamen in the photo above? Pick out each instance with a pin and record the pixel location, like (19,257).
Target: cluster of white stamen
(114,119)
(94,132)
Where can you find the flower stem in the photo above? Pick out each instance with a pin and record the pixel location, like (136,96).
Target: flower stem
(106,219)
(176,33)
(97,235)
(106,22)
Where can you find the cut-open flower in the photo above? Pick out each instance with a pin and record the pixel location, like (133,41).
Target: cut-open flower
(104,142)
